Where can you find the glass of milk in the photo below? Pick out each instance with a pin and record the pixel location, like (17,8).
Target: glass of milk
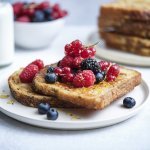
(6,33)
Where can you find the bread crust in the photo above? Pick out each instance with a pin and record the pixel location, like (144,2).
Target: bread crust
(24,94)
(97,96)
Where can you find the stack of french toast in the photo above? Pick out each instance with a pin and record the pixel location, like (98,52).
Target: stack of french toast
(125,25)
(76,81)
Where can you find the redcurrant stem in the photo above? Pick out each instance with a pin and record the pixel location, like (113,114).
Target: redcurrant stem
(93,44)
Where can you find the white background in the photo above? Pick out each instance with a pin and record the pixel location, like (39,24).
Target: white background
(133,134)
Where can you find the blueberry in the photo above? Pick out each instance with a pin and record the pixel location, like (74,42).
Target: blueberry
(52,114)
(43,108)
(99,77)
(51,77)
(104,73)
(50,69)
(39,16)
(47,12)
(129,102)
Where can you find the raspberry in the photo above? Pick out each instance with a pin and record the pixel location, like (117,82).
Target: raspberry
(85,78)
(28,12)
(110,78)
(77,61)
(23,19)
(66,70)
(65,13)
(56,7)
(60,14)
(28,73)
(55,15)
(104,65)
(58,70)
(113,70)
(90,64)
(43,5)
(67,77)
(17,8)
(38,63)
(67,61)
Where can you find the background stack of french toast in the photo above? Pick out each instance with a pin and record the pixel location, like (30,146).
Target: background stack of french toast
(125,25)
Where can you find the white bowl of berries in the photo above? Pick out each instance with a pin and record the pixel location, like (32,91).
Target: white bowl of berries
(36,25)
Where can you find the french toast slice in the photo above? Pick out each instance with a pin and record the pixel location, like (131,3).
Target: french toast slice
(131,44)
(24,94)
(132,28)
(127,9)
(97,96)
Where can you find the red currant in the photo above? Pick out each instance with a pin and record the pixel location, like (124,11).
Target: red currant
(67,49)
(71,52)
(77,44)
(110,78)
(77,61)
(66,70)
(77,52)
(85,53)
(93,51)
(58,70)
(104,65)
(114,70)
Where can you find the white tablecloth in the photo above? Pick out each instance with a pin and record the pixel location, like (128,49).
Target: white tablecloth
(133,134)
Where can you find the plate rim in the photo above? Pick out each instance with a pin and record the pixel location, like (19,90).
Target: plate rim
(93,124)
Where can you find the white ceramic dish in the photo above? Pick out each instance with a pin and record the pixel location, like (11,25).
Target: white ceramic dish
(104,52)
(37,35)
(73,119)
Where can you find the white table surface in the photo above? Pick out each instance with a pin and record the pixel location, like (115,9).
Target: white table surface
(133,134)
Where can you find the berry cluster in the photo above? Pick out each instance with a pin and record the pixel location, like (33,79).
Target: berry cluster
(76,49)
(80,68)
(29,72)
(33,12)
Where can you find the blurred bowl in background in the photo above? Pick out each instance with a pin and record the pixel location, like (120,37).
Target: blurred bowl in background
(37,35)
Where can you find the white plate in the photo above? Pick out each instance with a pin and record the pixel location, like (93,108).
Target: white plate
(81,119)
(117,56)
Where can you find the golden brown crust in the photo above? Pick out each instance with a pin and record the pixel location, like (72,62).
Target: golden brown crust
(97,96)
(131,44)
(24,94)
